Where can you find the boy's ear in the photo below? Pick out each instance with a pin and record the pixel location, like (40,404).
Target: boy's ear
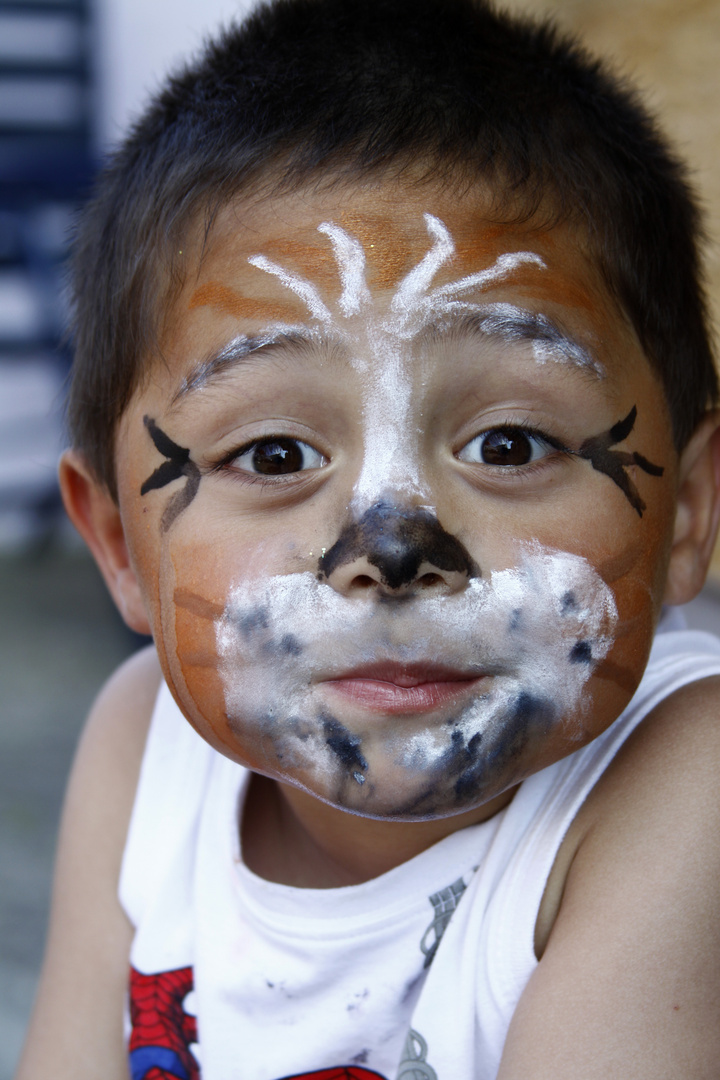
(698,512)
(96,517)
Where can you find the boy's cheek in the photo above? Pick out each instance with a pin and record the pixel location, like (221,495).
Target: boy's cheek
(192,601)
(191,598)
(636,573)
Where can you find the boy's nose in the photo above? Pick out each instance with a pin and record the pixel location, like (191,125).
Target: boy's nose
(397,550)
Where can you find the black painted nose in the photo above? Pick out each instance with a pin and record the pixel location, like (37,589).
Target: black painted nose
(397,549)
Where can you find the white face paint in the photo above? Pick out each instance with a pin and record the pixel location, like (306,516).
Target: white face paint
(379,345)
(511,323)
(531,634)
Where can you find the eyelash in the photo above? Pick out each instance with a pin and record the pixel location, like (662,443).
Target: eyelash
(514,427)
(243,476)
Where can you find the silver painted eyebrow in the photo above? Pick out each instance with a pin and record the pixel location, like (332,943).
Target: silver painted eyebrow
(510,323)
(235,352)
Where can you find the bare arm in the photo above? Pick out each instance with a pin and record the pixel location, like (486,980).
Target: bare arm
(629,984)
(76,1027)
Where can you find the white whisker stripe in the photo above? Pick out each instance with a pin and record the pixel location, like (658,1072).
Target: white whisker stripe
(350,257)
(412,287)
(302,288)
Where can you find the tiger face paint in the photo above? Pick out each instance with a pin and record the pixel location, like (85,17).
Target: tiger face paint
(400,497)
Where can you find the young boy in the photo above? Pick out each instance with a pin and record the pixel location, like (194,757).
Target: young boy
(389,423)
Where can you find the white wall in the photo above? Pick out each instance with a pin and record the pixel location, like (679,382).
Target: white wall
(139,42)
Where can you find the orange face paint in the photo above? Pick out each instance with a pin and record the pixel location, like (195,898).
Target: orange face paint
(307,257)
(624,677)
(560,292)
(228,302)
(197,604)
(387,262)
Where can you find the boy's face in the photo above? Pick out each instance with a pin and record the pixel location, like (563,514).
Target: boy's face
(400,495)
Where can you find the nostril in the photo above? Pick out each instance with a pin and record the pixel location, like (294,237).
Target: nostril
(428,581)
(364,581)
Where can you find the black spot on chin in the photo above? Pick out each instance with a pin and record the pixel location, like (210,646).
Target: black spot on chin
(299,728)
(290,646)
(568,602)
(581,653)
(345,746)
(249,622)
(530,708)
(530,715)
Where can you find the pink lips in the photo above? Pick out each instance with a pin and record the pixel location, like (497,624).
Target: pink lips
(403,688)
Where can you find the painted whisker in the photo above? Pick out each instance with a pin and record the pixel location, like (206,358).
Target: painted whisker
(613,463)
(179,464)
(302,288)
(350,257)
(196,604)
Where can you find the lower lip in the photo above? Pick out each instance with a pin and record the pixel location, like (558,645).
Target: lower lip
(387,697)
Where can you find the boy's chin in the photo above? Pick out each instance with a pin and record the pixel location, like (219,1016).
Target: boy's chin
(402,799)
(428,775)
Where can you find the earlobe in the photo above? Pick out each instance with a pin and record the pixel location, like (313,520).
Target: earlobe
(698,512)
(96,517)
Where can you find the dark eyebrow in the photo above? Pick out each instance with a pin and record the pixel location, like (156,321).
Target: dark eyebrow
(235,352)
(506,322)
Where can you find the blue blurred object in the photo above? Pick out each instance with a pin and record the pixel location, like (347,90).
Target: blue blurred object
(46,167)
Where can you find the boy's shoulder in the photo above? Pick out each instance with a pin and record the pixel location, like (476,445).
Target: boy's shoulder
(656,801)
(629,930)
(124,706)
(113,741)
(666,769)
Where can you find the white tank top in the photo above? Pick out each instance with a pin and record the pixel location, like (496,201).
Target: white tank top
(414,975)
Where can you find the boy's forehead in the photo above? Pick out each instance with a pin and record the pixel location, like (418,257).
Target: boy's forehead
(271,262)
(389,221)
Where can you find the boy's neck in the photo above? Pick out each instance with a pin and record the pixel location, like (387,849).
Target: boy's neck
(292,838)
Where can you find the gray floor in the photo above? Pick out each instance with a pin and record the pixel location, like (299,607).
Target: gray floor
(59,639)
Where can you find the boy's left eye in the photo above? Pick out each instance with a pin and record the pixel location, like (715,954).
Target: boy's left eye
(277,456)
(508,446)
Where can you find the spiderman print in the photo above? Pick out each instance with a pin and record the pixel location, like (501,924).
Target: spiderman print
(162,1032)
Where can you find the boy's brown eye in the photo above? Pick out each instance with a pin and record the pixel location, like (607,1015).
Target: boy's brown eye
(509,446)
(278,456)
(506,448)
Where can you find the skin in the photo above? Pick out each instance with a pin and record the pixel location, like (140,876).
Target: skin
(195,530)
(632,895)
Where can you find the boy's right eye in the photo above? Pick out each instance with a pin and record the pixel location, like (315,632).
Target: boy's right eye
(277,456)
(508,445)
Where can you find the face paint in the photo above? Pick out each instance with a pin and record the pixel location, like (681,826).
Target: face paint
(229,302)
(178,464)
(390,464)
(234,352)
(455,668)
(525,640)
(511,323)
(400,543)
(614,462)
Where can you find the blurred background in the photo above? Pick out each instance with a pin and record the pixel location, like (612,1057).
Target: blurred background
(73,74)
